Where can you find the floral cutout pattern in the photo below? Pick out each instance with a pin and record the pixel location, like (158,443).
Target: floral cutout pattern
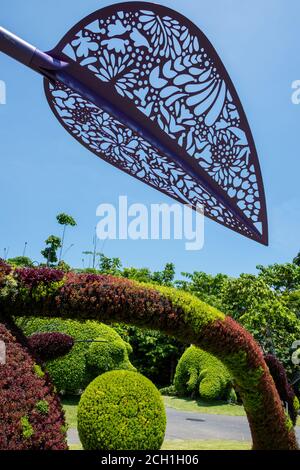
(120,146)
(162,67)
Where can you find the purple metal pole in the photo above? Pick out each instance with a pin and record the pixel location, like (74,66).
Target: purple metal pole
(15,47)
(84,83)
(29,55)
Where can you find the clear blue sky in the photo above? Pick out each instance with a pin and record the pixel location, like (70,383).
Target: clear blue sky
(44,171)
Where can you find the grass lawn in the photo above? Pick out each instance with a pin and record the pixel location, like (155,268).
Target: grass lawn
(199,406)
(70,408)
(178,444)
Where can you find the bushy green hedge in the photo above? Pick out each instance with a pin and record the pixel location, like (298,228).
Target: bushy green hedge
(121,410)
(201,374)
(74,371)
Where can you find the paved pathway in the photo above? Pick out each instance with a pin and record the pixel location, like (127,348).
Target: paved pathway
(189,425)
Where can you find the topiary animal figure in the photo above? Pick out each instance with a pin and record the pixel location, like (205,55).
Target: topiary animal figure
(97,349)
(121,410)
(200,374)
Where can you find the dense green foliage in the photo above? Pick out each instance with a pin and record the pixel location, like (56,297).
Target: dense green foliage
(114,266)
(155,355)
(281,277)
(72,372)
(263,312)
(200,374)
(205,286)
(267,304)
(121,410)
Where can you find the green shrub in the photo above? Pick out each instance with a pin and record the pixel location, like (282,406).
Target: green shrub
(103,357)
(42,407)
(38,370)
(27,429)
(86,360)
(201,374)
(169,391)
(121,410)
(20,261)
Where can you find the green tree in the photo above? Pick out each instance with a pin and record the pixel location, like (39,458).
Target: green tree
(205,286)
(292,301)
(243,294)
(296,260)
(137,274)
(281,277)
(262,310)
(65,220)
(275,328)
(166,276)
(109,265)
(53,243)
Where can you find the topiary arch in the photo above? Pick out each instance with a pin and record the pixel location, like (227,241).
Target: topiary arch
(46,293)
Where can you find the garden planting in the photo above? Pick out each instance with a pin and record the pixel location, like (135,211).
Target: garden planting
(49,293)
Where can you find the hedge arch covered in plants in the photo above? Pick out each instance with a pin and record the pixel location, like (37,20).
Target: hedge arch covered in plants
(46,293)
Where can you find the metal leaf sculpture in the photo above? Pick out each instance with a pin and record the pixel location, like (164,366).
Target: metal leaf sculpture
(142,87)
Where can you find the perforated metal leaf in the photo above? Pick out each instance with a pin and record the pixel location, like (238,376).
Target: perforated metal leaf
(157,63)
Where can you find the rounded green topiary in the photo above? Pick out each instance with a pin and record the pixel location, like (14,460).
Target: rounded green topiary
(86,360)
(121,410)
(201,374)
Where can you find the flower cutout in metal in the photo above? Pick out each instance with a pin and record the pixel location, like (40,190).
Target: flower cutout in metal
(142,87)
